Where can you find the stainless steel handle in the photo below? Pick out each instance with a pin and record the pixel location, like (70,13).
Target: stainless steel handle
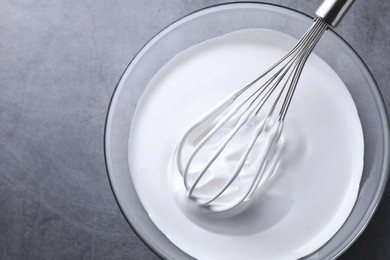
(332,11)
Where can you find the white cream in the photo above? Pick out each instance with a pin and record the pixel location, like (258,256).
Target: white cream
(320,169)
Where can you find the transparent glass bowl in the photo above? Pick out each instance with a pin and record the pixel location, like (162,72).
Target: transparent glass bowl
(216,21)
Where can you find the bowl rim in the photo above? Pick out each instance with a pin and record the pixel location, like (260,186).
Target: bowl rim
(377,93)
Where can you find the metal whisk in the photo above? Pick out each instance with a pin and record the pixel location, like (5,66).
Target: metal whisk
(259,108)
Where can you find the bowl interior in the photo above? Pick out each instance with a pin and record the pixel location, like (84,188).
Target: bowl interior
(216,21)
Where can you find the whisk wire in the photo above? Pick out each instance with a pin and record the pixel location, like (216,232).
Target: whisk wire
(312,42)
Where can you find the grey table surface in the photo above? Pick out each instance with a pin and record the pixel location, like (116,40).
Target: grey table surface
(60,62)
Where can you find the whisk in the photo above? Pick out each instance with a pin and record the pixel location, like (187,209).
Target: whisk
(256,113)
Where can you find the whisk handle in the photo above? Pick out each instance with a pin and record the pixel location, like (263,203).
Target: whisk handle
(332,11)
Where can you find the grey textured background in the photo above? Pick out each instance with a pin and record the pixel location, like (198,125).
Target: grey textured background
(60,61)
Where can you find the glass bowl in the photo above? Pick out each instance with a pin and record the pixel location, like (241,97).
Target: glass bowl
(216,21)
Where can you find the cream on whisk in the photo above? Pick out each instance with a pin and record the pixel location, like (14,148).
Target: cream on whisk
(224,175)
(318,175)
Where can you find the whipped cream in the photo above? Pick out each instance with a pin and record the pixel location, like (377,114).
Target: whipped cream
(319,171)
